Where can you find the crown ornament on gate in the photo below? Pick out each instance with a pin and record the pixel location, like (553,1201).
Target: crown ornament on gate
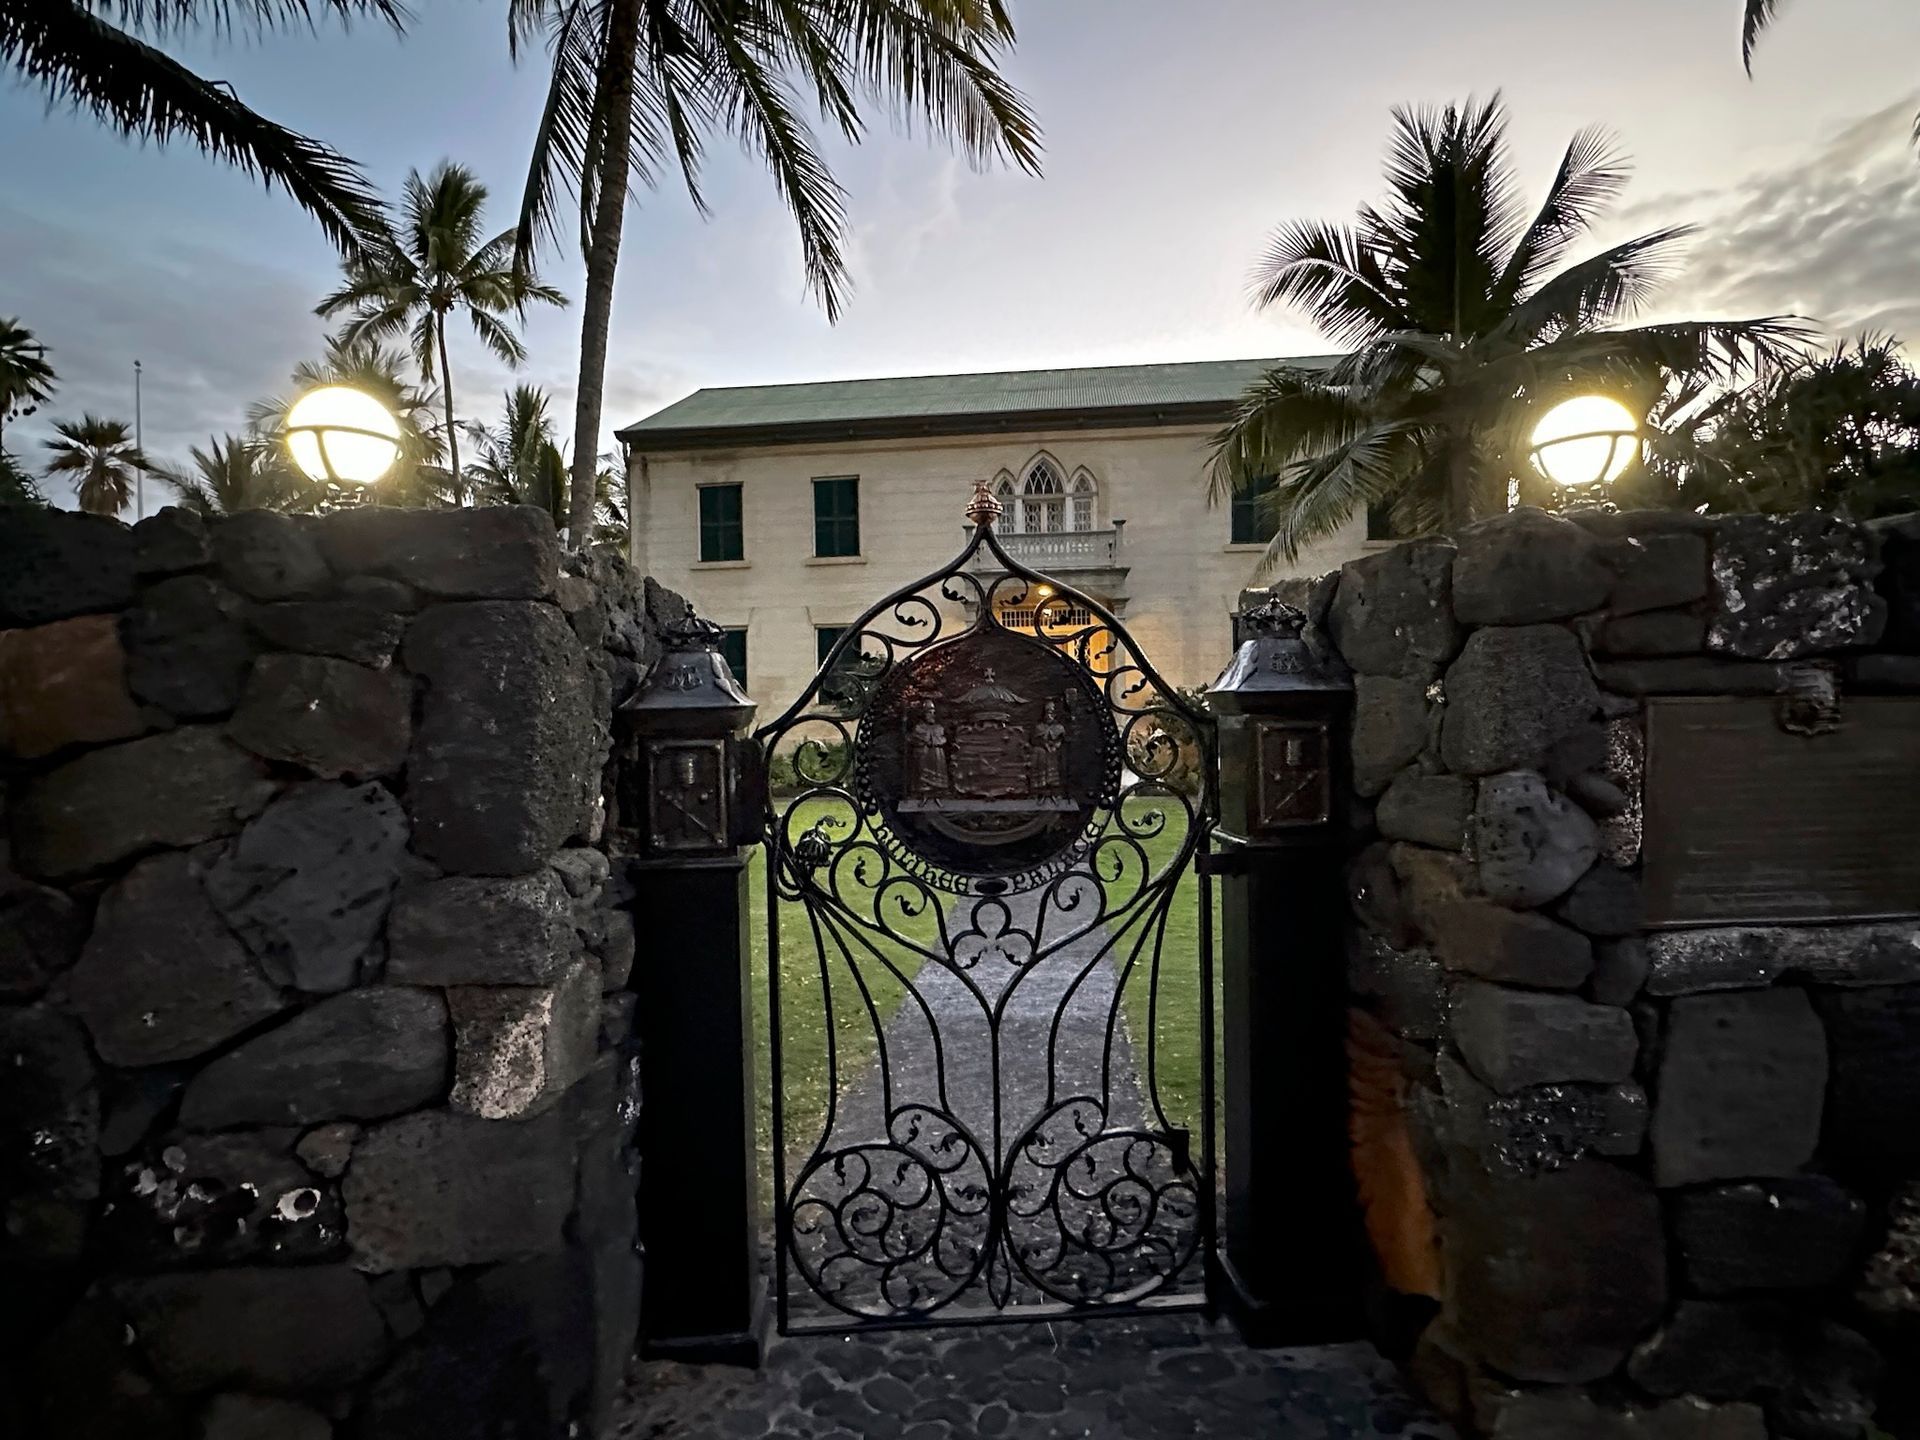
(982,508)
(690,632)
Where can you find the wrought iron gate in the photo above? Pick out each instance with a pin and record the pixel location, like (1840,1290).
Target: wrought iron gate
(977,837)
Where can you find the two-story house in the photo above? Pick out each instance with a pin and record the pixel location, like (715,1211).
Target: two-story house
(784,511)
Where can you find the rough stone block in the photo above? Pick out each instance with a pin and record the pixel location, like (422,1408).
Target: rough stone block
(280,1330)
(1657,571)
(1391,726)
(1408,988)
(1540,1128)
(1798,1233)
(59,563)
(1475,937)
(1393,613)
(1656,633)
(609,935)
(49,1125)
(1890,1280)
(1555,1277)
(1748,957)
(1792,585)
(467,931)
(504,767)
(64,684)
(308,883)
(1576,1415)
(1527,566)
(327,1150)
(1426,809)
(354,629)
(235,1198)
(1428,883)
(40,935)
(1692,676)
(78,1363)
(162,978)
(364,1055)
(1532,842)
(1512,1039)
(1605,901)
(581,869)
(268,556)
(178,788)
(330,717)
(443,1189)
(187,650)
(256,1417)
(1716,1349)
(1741,1081)
(170,541)
(495,553)
(1512,696)
(518,1047)
(1873,1103)
(1619,971)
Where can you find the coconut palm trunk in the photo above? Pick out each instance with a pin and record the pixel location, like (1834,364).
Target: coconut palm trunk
(446,399)
(603,259)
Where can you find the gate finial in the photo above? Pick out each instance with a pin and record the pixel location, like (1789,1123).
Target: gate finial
(983,509)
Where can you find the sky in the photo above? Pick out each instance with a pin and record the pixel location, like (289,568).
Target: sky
(1179,133)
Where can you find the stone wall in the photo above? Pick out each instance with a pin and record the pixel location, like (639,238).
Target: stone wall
(1675,1173)
(318,1092)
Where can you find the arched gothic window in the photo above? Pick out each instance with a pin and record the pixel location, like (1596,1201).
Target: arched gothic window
(1081,496)
(1043,499)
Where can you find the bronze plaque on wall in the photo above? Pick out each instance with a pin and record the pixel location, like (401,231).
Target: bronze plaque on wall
(1746,822)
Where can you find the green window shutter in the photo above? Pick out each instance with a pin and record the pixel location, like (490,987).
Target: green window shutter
(722,531)
(1254,522)
(836,516)
(733,649)
(824,637)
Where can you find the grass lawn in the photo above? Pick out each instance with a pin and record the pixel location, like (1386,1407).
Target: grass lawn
(804,1035)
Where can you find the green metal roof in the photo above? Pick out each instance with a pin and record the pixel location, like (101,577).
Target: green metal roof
(1203,390)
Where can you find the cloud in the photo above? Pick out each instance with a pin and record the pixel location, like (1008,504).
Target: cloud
(214,330)
(1833,236)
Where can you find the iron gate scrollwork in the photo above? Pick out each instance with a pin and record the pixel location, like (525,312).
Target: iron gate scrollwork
(977,835)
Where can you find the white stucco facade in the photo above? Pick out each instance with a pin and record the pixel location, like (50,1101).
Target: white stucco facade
(1175,574)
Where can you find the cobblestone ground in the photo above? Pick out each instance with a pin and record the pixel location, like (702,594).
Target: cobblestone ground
(1172,1376)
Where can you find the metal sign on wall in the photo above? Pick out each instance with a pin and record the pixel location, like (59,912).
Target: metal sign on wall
(1748,822)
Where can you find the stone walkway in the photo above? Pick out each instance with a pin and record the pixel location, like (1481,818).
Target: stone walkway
(1115,1380)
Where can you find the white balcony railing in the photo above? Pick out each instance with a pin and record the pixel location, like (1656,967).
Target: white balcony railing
(1061,549)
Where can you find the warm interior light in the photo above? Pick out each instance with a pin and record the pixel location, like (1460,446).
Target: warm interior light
(1043,591)
(341,434)
(1588,440)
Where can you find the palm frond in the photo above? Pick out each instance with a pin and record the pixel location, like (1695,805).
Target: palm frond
(1287,413)
(1329,271)
(1315,497)
(1759,15)
(1599,290)
(80,61)
(1591,176)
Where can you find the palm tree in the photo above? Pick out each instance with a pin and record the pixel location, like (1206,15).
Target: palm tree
(77,57)
(416,478)
(102,460)
(521,464)
(26,379)
(517,461)
(640,86)
(239,472)
(436,265)
(1460,317)
(16,485)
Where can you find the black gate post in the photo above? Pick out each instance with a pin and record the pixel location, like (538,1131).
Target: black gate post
(684,799)
(1291,1268)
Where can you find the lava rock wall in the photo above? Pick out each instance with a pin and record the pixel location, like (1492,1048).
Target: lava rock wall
(316,1083)
(1674,1174)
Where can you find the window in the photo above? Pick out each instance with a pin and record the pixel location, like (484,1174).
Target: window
(1043,505)
(1083,493)
(1254,522)
(1380,524)
(824,637)
(836,516)
(733,650)
(722,535)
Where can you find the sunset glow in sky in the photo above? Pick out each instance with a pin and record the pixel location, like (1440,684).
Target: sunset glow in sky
(1178,135)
